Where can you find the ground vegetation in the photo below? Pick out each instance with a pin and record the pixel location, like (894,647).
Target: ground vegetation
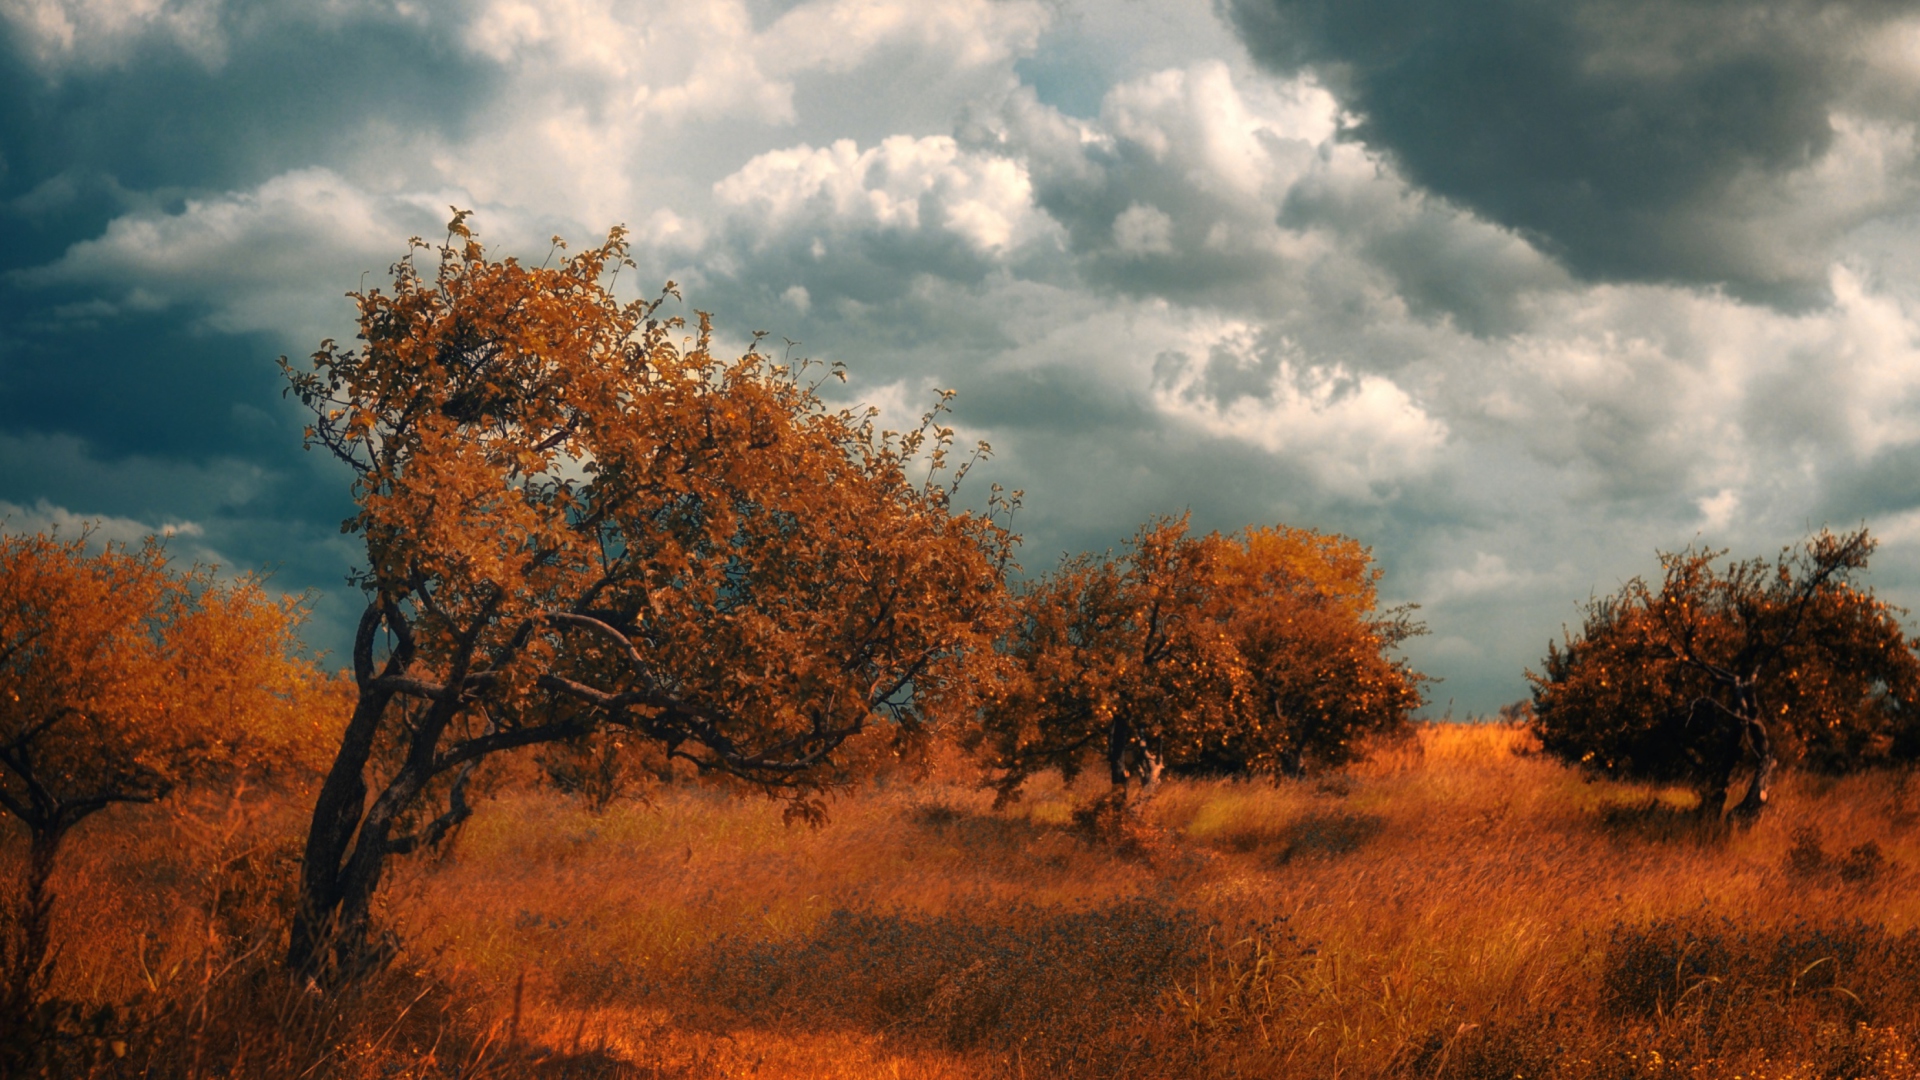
(1458,905)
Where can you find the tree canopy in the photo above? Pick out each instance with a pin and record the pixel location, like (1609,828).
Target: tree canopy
(1260,652)
(1735,666)
(578,513)
(120,680)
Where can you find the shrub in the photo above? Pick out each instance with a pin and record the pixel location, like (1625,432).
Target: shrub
(120,680)
(1746,665)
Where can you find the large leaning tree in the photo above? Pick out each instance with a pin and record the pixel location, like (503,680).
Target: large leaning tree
(579,516)
(122,679)
(1740,667)
(1256,653)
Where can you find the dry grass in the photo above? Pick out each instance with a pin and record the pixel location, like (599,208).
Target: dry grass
(1457,906)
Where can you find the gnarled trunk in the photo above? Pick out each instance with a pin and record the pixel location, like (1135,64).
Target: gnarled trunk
(1129,759)
(1760,787)
(325,934)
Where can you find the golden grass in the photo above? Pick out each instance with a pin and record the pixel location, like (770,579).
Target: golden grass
(1457,905)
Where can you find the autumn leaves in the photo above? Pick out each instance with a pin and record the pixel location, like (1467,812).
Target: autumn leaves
(580,518)
(120,679)
(1256,653)
(1720,668)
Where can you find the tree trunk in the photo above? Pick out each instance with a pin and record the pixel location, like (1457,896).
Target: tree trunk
(1129,759)
(24,963)
(1760,787)
(1713,797)
(337,814)
(1151,769)
(1118,736)
(358,880)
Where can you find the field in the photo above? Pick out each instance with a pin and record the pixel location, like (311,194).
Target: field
(1455,906)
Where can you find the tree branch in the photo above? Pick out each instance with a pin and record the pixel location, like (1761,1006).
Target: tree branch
(412,687)
(481,745)
(28,735)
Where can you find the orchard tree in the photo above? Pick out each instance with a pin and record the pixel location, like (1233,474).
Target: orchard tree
(1743,667)
(1301,608)
(1107,662)
(1259,653)
(121,679)
(579,516)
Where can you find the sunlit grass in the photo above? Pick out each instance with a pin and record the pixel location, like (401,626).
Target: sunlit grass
(1457,905)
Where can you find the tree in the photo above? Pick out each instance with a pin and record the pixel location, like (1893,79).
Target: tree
(579,516)
(1257,653)
(1743,667)
(121,679)
(1300,607)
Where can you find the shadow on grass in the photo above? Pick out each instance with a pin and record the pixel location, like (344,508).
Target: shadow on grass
(1057,986)
(1324,834)
(1656,820)
(977,831)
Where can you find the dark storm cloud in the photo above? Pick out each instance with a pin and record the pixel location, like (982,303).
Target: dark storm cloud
(91,138)
(140,382)
(1639,140)
(125,395)
(286,92)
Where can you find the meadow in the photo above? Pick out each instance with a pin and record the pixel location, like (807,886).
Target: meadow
(1455,905)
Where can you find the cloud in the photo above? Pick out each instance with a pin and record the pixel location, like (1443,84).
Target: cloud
(854,227)
(1160,275)
(1728,142)
(1354,433)
(269,259)
(91,33)
(1173,189)
(904,185)
(1143,230)
(1230,190)
(44,517)
(231,512)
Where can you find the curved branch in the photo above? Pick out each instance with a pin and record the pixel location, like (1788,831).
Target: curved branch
(481,745)
(48,721)
(396,621)
(601,627)
(411,687)
(363,643)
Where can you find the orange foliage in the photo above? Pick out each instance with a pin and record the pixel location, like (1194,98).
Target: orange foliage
(576,515)
(120,680)
(1259,652)
(1717,668)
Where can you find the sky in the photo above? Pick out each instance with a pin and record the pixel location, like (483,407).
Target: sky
(1516,292)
